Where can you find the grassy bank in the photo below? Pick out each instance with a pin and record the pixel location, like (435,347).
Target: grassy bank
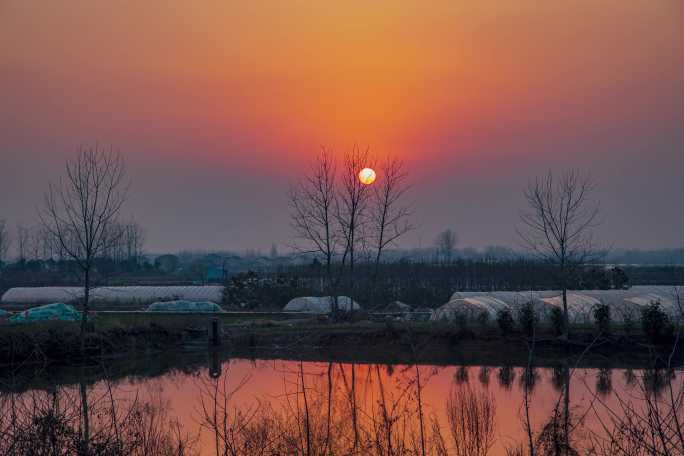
(60,342)
(426,343)
(116,334)
(278,335)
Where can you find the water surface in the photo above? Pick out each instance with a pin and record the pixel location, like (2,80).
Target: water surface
(239,406)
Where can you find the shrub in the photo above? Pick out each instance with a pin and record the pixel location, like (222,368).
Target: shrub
(557,321)
(527,318)
(504,319)
(628,323)
(619,278)
(656,323)
(483,319)
(249,290)
(602,318)
(461,320)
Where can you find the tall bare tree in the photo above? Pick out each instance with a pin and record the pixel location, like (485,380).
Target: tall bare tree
(557,226)
(352,203)
(45,243)
(126,243)
(81,210)
(23,240)
(134,241)
(445,243)
(388,214)
(312,205)
(5,241)
(35,243)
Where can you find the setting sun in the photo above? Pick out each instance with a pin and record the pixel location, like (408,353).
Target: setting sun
(367,176)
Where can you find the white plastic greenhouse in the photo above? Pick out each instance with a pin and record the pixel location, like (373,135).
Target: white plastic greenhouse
(472,306)
(185,306)
(320,304)
(580,302)
(113,295)
(456,308)
(580,306)
(41,295)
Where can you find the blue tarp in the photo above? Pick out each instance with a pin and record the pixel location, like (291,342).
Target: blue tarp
(57,311)
(4,314)
(184,306)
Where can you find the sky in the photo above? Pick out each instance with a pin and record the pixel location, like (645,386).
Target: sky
(218,106)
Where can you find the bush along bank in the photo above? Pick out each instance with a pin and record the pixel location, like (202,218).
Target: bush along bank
(60,342)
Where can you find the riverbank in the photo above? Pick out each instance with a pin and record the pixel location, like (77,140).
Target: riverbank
(441,345)
(58,343)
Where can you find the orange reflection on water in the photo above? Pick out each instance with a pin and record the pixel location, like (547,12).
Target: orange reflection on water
(372,395)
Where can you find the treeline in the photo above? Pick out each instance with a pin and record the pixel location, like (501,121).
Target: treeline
(35,246)
(430,284)
(419,284)
(41,259)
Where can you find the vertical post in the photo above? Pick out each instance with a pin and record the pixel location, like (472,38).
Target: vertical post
(214,332)
(214,364)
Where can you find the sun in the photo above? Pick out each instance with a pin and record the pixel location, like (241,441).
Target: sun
(367,176)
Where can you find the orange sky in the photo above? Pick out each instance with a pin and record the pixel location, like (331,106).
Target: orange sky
(247,90)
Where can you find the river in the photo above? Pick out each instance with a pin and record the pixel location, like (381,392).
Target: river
(209,404)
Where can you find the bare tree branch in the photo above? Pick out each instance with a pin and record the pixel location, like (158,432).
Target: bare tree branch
(557,226)
(81,211)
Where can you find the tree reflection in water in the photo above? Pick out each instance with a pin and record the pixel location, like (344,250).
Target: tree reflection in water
(373,419)
(484,374)
(604,382)
(77,420)
(506,376)
(347,409)
(471,421)
(462,375)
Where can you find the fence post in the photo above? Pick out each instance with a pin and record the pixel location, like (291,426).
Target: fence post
(214,332)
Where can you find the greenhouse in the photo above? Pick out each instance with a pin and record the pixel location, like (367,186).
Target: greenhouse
(397,307)
(459,308)
(184,306)
(320,304)
(473,307)
(623,303)
(580,306)
(113,295)
(41,295)
(56,311)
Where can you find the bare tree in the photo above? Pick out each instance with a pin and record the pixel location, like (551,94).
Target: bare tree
(114,243)
(352,203)
(557,226)
(134,241)
(23,239)
(445,243)
(312,205)
(35,243)
(388,214)
(46,243)
(82,209)
(5,241)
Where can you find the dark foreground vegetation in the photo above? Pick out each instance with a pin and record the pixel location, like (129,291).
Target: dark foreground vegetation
(365,338)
